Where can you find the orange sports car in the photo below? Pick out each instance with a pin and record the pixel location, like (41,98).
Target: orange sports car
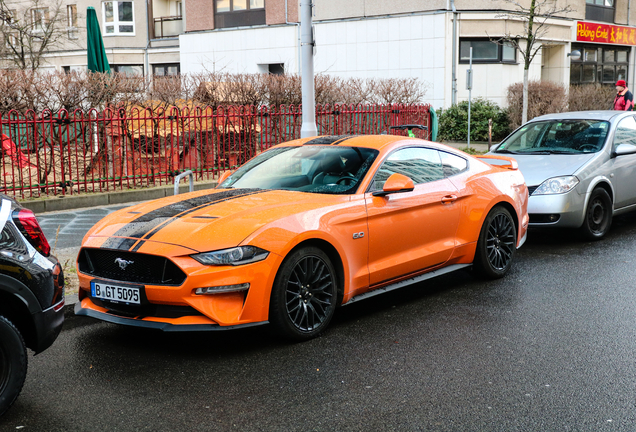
(302,228)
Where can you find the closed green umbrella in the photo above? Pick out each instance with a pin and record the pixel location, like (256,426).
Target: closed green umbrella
(97,60)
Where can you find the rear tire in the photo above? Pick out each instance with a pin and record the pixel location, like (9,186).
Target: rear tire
(598,215)
(497,244)
(304,295)
(13,364)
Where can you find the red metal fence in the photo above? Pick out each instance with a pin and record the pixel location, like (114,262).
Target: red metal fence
(76,152)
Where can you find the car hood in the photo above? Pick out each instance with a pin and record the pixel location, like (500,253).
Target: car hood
(538,168)
(205,220)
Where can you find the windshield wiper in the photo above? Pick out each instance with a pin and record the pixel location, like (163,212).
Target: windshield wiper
(546,151)
(506,151)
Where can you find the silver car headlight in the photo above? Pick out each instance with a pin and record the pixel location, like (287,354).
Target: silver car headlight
(557,185)
(233,256)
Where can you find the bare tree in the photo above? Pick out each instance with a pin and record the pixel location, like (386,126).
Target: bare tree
(535,27)
(30,30)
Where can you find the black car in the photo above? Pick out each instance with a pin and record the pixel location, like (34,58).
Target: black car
(31,296)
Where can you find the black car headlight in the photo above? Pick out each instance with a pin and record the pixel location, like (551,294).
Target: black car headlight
(234,256)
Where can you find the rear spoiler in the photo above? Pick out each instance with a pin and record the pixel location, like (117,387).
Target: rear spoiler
(504,161)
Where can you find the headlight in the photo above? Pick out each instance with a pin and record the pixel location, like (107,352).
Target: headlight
(557,185)
(234,256)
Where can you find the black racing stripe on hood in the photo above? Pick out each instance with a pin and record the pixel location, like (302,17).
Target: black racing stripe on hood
(118,243)
(327,140)
(152,220)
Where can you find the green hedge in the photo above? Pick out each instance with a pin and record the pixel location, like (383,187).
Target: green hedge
(453,122)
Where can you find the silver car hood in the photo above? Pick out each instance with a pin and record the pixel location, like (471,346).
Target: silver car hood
(538,168)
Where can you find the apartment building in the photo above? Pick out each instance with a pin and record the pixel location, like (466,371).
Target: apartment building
(428,39)
(139,36)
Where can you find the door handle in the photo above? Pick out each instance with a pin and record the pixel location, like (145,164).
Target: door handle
(449,199)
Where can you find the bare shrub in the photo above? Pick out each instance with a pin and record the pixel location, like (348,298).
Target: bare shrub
(544,97)
(406,91)
(281,90)
(328,89)
(24,90)
(588,97)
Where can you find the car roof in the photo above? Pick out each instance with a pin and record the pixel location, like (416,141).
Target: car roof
(607,115)
(370,141)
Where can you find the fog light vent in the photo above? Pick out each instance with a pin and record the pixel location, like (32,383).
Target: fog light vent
(222,289)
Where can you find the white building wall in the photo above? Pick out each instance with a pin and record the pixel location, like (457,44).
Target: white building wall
(239,51)
(405,46)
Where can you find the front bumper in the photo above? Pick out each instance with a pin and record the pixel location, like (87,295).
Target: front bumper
(568,208)
(178,308)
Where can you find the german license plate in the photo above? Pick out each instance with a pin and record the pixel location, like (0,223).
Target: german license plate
(115,293)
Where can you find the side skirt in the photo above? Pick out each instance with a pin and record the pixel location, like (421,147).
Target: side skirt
(401,284)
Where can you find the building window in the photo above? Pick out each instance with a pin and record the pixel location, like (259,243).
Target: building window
(487,51)
(11,40)
(272,68)
(129,70)
(179,8)
(599,10)
(118,18)
(71,21)
(162,70)
(74,68)
(236,13)
(39,19)
(599,64)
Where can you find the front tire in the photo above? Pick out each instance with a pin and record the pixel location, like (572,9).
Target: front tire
(598,215)
(13,364)
(497,244)
(304,295)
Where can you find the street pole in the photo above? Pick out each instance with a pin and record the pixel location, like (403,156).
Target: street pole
(307,44)
(469,86)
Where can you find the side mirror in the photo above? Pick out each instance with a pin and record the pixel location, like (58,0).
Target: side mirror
(224,177)
(493,147)
(625,149)
(394,184)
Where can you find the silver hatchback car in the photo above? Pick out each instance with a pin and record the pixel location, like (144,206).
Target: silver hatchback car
(580,168)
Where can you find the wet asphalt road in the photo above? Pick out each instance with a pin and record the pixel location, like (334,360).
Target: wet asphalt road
(551,347)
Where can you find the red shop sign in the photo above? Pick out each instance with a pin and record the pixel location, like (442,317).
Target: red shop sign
(605,33)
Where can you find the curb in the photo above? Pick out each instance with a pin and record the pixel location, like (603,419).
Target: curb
(70,202)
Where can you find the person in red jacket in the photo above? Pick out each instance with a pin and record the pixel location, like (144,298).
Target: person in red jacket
(624,100)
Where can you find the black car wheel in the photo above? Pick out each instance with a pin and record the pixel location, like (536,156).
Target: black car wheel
(304,294)
(598,215)
(13,363)
(496,245)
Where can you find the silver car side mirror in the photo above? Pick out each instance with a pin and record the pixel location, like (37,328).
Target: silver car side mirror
(493,147)
(624,149)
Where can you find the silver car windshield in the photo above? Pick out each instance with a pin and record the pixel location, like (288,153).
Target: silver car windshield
(557,136)
(317,169)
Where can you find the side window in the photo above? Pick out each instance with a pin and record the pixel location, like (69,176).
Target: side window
(419,164)
(452,164)
(625,132)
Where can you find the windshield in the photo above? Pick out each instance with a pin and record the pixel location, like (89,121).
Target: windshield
(557,136)
(317,169)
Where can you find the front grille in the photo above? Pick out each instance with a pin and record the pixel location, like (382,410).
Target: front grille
(531,189)
(140,268)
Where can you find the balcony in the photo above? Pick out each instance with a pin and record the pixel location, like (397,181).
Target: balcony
(168,26)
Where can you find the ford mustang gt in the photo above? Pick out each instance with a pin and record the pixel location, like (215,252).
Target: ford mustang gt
(302,228)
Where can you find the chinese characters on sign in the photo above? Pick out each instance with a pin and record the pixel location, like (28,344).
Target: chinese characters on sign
(605,33)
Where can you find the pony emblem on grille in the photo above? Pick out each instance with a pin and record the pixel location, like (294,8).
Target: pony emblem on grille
(122,263)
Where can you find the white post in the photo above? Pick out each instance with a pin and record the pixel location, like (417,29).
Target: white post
(307,44)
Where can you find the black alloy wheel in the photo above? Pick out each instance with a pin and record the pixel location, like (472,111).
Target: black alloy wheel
(13,364)
(497,244)
(598,215)
(304,294)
